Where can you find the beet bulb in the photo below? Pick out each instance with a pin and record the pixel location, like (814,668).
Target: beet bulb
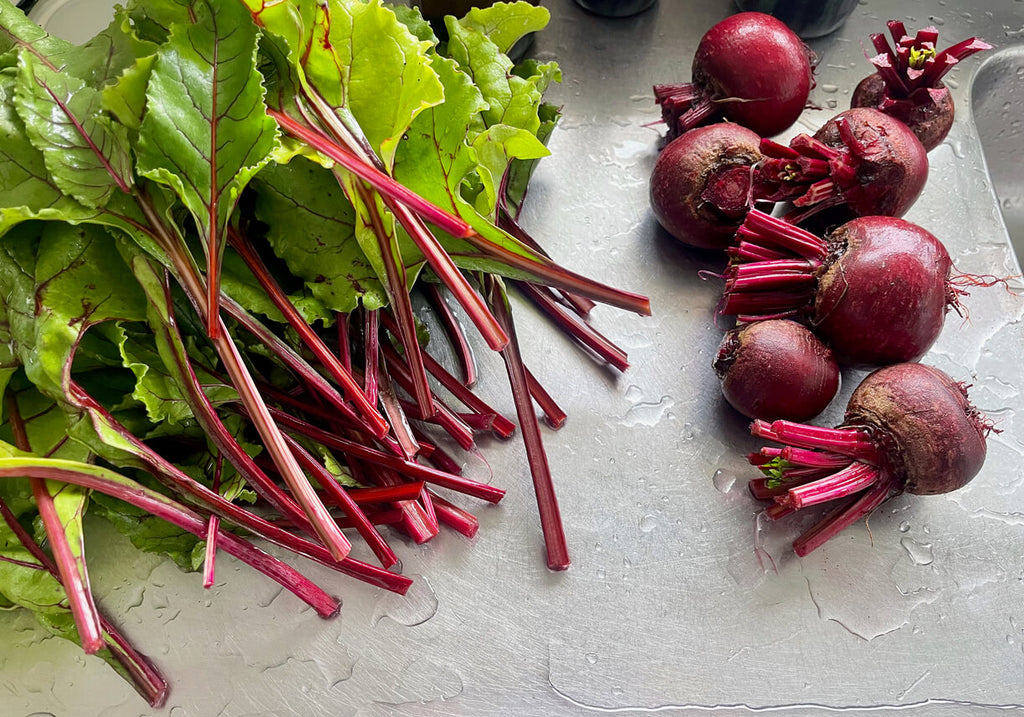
(751,69)
(908,82)
(861,159)
(908,428)
(700,184)
(776,369)
(876,290)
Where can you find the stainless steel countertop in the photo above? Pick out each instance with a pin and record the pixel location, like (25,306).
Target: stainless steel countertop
(666,608)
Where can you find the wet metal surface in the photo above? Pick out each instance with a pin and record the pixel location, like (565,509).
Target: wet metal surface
(679,601)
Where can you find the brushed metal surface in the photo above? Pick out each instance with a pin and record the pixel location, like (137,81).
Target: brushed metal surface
(679,602)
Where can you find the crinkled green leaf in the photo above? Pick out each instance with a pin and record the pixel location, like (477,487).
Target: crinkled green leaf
(98,61)
(511,99)
(72,278)
(26,189)
(18,31)
(146,532)
(152,20)
(435,160)
(205,131)
(496,148)
(87,156)
(125,98)
(386,84)
(413,19)
(311,227)
(45,424)
(34,589)
(154,388)
(505,24)
(520,170)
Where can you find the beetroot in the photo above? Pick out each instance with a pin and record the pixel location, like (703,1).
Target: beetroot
(908,84)
(700,184)
(908,428)
(776,369)
(750,68)
(876,290)
(862,159)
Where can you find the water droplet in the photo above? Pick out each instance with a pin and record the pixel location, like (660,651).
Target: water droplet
(830,89)
(617,691)
(647,413)
(920,553)
(648,523)
(832,103)
(936,20)
(723,480)
(417,606)
(904,526)
(591,658)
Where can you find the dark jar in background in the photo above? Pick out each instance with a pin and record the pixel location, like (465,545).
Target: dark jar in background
(615,8)
(807,18)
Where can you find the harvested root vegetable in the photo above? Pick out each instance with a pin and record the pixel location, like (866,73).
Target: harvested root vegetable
(908,428)
(876,290)
(862,159)
(750,68)
(908,82)
(700,185)
(776,369)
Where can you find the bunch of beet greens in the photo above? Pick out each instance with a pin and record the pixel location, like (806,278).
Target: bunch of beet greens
(212,216)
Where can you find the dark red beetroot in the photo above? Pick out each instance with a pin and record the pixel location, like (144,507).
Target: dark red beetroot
(862,159)
(776,369)
(876,290)
(750,69)
(908,428)
(908,84)
(700,184)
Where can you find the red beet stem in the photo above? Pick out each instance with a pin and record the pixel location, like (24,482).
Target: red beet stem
(852,479)
(853,442)
(848,514)
(556,547)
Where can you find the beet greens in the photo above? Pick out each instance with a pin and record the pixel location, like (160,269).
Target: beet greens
(208,318)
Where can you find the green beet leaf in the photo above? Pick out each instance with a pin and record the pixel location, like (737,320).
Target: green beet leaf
(86,155)
(385,84)
(311,227)
(436,159)
(205,131)
(511,99)
(506,25)
(26,189)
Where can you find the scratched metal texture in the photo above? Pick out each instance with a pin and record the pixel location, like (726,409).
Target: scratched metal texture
(667,608)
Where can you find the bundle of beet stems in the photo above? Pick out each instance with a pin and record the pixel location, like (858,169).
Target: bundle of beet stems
(139,385)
